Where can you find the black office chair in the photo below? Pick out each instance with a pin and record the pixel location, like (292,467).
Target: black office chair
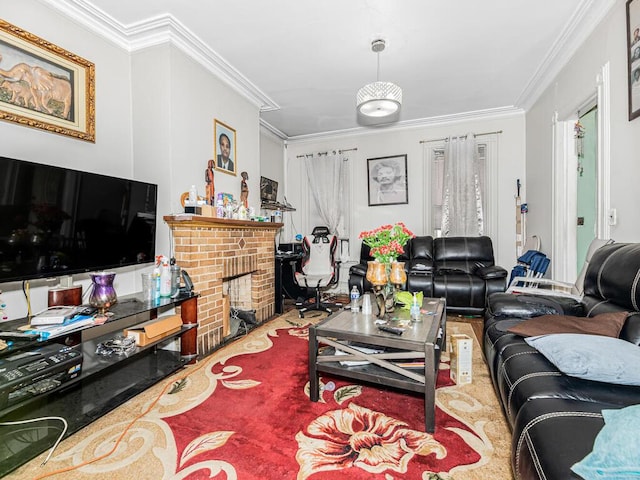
(319,268)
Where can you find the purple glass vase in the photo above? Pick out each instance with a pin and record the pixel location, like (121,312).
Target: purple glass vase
(103,295)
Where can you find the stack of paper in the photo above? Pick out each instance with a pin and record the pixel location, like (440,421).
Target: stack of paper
(49,331)
(355,363)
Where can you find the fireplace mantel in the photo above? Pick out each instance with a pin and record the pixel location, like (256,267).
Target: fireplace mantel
(213,250)
(202,221)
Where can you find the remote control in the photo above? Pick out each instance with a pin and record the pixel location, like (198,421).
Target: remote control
(394,330)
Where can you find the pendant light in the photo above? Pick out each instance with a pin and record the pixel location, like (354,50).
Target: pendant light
(379,99)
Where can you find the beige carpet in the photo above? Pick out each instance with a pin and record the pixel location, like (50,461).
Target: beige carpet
(149,452)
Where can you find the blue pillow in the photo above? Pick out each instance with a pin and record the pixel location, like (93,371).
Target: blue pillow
(615,450)
(592,357)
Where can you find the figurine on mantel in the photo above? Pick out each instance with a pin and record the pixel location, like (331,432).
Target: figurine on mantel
(210,189)
(244,190)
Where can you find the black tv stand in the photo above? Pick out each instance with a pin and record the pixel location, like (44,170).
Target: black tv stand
(103,384)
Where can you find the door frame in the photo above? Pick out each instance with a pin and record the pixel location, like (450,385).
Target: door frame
(564,178)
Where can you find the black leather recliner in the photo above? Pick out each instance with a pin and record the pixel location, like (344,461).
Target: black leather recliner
(465,273)
(555,417)
(460,269)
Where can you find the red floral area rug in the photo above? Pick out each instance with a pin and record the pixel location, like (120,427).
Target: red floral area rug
(260,424)
(244,413)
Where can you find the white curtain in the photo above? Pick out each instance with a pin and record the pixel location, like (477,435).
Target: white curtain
(462,213)
(328,177)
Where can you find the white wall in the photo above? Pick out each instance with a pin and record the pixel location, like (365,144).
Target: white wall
(111,153)
(154,122)
(175,102)
(380,143)
(576,83)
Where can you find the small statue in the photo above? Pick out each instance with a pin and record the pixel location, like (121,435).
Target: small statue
(210,190)
(244,190)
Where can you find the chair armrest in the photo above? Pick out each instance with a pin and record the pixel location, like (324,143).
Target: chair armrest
(494,271)
(358,269)
(543,286)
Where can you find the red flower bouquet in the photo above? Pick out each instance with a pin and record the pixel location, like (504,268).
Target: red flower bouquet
(387,242)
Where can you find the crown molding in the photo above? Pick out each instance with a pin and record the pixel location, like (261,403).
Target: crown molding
(92,18)
(160,30)
(584,21)
(267,127)
(488,114)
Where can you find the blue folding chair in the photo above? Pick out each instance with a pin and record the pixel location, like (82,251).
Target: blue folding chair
(532,265)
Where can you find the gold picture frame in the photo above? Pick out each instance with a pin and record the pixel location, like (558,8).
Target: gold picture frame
(225,148)
(45,86)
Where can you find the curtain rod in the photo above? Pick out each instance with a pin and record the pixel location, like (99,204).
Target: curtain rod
(460,136)
(340,152)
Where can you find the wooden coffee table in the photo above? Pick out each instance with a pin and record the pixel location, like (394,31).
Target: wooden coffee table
(349,332)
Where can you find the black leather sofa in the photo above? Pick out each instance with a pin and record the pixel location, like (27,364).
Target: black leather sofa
(555,417)
(460,269)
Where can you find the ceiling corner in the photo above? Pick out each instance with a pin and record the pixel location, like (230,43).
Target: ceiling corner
(158,30)
(586,18)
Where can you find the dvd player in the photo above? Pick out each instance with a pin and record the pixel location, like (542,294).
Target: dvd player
(31,373)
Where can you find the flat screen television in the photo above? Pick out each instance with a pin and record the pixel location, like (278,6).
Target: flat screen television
(56,221)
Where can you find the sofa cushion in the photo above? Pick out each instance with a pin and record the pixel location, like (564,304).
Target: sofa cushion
(592,357)
(508,305)
(615,450)
(606,324)
(551,435)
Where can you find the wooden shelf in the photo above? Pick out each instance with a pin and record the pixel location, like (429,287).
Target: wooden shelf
(277,206)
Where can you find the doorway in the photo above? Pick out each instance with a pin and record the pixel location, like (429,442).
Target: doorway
(586,136)
(565,178)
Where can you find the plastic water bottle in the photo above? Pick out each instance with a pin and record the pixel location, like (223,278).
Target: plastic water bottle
(193,195)
(175,278)
(355,295)
(156,277)
(165,278)
(415,308)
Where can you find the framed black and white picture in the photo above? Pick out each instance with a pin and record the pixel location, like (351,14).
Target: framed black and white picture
(633,52)
(387,178)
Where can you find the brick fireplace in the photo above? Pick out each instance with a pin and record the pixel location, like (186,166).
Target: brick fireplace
(218,253)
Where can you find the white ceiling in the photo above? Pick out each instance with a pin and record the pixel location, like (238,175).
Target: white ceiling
(302,62)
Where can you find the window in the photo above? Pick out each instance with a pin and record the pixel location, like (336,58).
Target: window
(434,176)
(328,182)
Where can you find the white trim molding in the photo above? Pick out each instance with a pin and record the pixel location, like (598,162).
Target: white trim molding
(587,17)
(606,217)
(489,114)
(159,30)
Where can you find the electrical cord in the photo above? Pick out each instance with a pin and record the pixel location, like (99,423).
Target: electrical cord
(55,445)
(126,429)
(26,286)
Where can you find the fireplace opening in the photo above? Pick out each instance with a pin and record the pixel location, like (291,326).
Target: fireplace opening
(240,314)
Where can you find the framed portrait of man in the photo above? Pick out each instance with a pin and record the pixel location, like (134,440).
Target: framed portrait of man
(387,178)
(225,148)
